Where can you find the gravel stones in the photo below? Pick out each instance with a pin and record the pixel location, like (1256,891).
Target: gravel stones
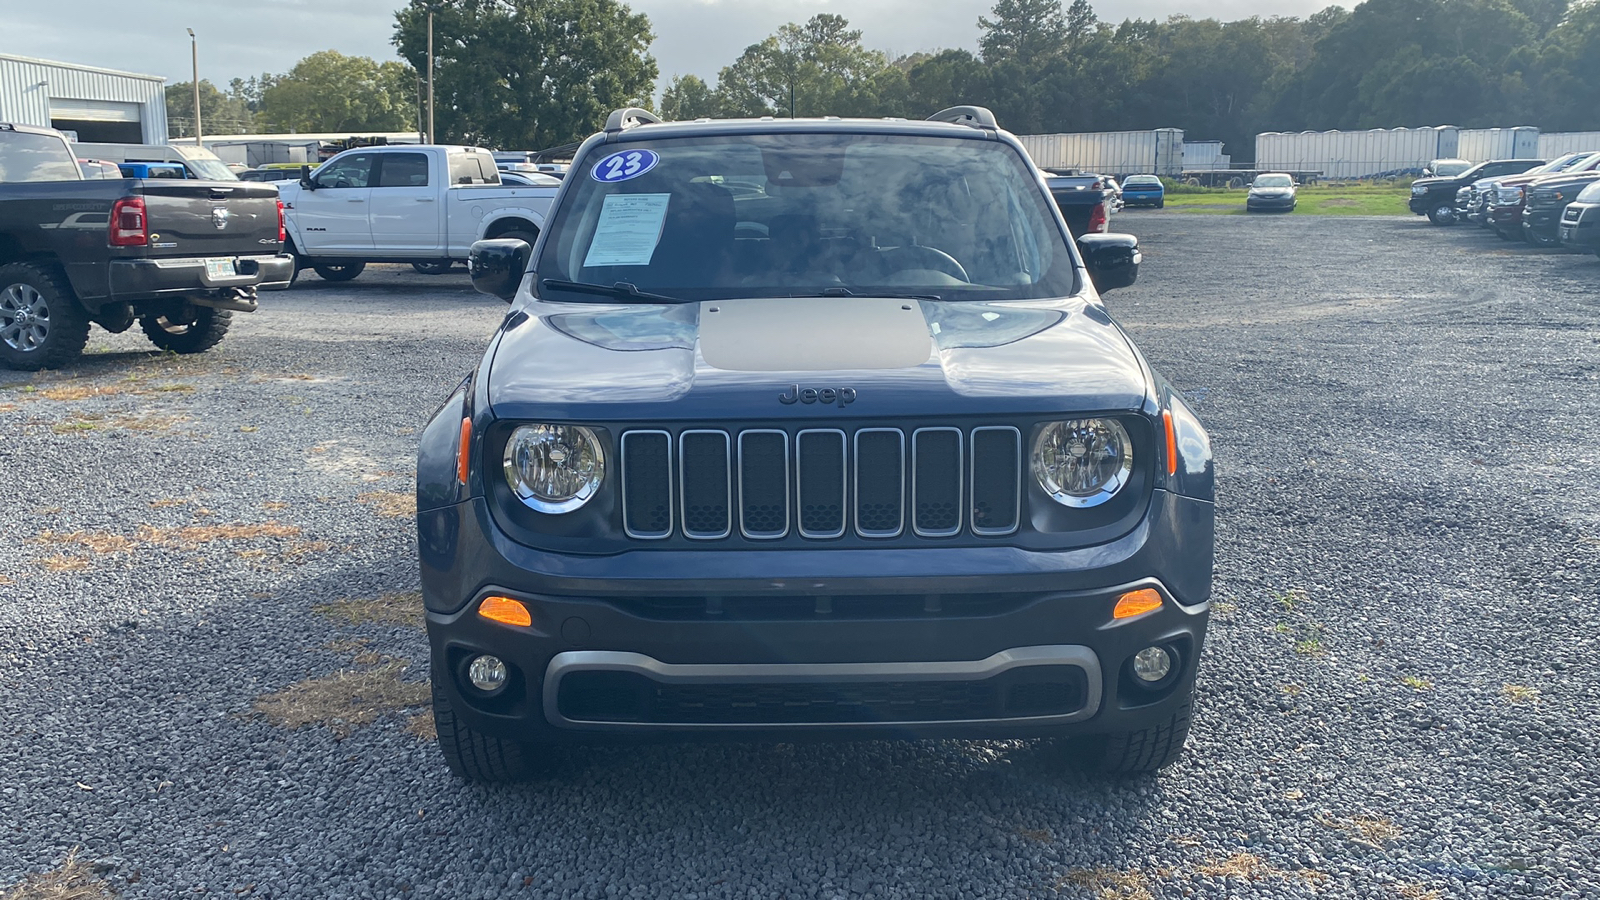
(1406,447)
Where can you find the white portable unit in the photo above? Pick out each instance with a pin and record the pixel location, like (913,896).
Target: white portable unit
(1155,152)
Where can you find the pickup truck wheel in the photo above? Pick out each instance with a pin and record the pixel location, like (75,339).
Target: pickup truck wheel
(526,237)
(474,756)
(1540,240)
(1442,214)
(197,330)
(339,271)
(431,268)
(41,324)
(1135,752)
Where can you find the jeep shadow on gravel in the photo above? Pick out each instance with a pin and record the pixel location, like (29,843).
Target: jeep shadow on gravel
(811,428)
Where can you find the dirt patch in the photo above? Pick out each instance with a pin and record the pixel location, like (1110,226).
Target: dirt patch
(390,504)
(343,701)
(1369,831)
(192,536)
(422,725)
(93,541)
(63,563)
(1109,884)
(72,880)
(404,608)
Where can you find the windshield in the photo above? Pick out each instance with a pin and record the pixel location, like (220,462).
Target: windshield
(205,164)
(774,215)
(1273,181)
(1451,168)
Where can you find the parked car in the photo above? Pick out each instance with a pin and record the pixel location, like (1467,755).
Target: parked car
(1545,201)
(201,163)
(175,255)
(1435,197)
(405,203)
(672,502)
(153,170)
(1116,192)
(1084,201)
(1580,221)
(1505,205)
(1144,190)
(1271,191)
(1448,167)
(271,172)
(529,179)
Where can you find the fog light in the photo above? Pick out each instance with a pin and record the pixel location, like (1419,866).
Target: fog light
(1151,664)
(487,673)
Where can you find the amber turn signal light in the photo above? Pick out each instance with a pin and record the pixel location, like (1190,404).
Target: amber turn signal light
(1172,445)
(1133,603)
(506,611)
(462,457)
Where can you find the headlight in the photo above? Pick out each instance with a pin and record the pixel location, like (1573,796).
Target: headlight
(554,468)
(1418,190)
(1082,462)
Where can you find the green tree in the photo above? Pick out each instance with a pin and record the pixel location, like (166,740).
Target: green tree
(949,78)
(688,97)
(817,68)
(328,91)
(219,113)
(529,74)
(1023,46)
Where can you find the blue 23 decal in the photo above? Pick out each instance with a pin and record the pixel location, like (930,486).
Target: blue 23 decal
(624,165)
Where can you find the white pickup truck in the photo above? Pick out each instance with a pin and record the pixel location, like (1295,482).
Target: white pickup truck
(419,204)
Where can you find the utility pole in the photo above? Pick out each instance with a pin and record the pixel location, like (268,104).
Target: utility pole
(431,138)
(194,55)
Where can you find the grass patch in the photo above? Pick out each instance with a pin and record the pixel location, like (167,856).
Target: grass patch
(1313,200)
(1369,831)
(72,880)
(192,536)
(64,563)
(401,608)
(93,541)
(1109,884)
(422,725)
(1247,866)
(390,504)
(1417,683)
(343,701)
(1517,693)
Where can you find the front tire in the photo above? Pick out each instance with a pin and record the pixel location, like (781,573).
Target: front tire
(1539,240)
(474,756)
(41,324)
(196,330)
(339,271)
(1135,752)
(432,268)
(1440,214)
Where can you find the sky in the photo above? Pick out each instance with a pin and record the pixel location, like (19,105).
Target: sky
(240,38)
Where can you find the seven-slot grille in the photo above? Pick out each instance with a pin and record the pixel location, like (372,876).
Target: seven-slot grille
(821,483)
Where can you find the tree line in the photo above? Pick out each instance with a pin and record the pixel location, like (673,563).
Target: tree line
(531,74)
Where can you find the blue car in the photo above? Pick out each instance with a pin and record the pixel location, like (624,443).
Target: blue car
(152,170)
(1144,190)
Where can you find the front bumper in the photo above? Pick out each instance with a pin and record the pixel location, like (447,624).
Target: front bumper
(1269,203)
(146,279)
(1581,232)
(1543,222)
(930,642)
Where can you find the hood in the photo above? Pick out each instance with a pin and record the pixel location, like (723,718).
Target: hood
(1440,181)
(822,359)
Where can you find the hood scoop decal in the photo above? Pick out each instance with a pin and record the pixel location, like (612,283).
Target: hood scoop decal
(813,334)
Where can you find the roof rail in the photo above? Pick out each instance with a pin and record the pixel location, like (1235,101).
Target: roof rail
(971,116)
(633,116)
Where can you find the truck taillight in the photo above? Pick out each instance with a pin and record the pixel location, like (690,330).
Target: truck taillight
(1097,218)
(283,235)
(129,225)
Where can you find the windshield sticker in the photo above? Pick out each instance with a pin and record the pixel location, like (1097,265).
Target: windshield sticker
(628,230)
(624,165)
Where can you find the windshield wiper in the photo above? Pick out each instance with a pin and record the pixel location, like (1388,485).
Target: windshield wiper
(622,290)
(846,292)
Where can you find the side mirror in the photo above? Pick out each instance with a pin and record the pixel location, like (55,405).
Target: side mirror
(1112,259)
(305,179)
(496,266)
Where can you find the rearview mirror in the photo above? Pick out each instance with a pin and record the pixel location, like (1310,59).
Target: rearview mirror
(496,266)
(1112,259)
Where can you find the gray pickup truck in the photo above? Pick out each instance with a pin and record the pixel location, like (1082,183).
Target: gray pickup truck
(178,257)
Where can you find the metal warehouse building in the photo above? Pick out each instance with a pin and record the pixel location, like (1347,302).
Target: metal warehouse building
(98,105)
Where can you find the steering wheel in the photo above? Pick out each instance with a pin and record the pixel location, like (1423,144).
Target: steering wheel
(938,260)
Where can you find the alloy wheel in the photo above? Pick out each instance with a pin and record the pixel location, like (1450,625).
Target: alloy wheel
(24,318)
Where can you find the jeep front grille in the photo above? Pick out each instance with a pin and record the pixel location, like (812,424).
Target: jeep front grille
(821,483)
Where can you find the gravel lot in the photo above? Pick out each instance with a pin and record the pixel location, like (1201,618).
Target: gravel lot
(1396,699)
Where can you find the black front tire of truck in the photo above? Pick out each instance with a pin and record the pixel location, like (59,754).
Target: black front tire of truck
(339,271)
(1135,752)
(41,324)
(475,756)
(195,329)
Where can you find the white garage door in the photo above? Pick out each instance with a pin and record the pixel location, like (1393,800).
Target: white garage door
(94,110)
